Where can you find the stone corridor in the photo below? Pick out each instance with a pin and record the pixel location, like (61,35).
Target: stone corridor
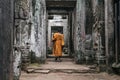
(91,30)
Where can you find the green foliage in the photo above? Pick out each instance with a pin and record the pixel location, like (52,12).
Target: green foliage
(35,64)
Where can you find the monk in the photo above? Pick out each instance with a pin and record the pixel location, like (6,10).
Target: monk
(58,43)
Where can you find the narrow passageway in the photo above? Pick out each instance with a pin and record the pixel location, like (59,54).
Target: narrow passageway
(30,50)
(83,25)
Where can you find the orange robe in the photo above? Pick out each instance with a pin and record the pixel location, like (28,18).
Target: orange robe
(58,40)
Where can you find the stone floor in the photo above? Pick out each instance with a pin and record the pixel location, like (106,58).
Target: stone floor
(67,65)
(65,70)
(66,76)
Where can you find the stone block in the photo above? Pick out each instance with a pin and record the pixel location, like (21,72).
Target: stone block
(42,71)
(30,70)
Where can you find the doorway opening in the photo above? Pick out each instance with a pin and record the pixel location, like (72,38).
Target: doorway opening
(58,22)
(59,16)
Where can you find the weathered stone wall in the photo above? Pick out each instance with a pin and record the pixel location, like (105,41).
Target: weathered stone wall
(6,39)
(79,31)
(99,19)
(109,34)
(89,33)
(38,31)
(98,30)
(22,22)
(89,16)
(110,28)
(89,53)
(29,33)
(21,35)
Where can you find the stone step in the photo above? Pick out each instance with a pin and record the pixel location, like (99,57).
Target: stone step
(66,66)
(46,71)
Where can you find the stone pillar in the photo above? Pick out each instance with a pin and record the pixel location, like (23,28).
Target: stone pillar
(89,53)
(6,39)
(38,31)
(22,34)
(109,33)
(79,31)
(98,30)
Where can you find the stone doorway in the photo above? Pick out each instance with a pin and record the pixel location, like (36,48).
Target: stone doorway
(59,14)
(61,23)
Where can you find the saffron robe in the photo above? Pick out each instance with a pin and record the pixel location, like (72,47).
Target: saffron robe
(58,42)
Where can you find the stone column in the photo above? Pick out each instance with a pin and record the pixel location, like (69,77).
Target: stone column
(109,32)
(79,31)
(21,36)
(106,31)
(6,39)
(98,30)
(38,32)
